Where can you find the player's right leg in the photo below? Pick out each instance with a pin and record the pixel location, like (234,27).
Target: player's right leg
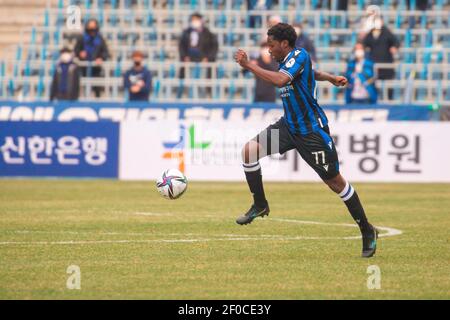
(252,152)
(271,140)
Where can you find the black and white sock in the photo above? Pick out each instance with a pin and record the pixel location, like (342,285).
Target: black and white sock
(354,206)
(254,180)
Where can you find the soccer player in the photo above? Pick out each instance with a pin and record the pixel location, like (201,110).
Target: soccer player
(304,127)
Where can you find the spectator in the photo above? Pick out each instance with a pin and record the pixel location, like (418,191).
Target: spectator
(92,47)
(255,21)
(138,80)
(383,47)
(303,41)
(361,82)
(273,20)
(197,43)
(270,22)
(66,78)
(420,5)
(372,16)
(341,5)
(265,91)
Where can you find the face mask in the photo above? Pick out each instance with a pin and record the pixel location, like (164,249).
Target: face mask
(66,57)
(92,32)
(359,54)
(378,24)
(196,24)
(264,52)
(137,63)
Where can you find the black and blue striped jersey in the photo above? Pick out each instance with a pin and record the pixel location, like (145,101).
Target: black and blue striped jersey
(301,111)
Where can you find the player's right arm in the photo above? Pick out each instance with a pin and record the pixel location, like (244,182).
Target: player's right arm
(278,79)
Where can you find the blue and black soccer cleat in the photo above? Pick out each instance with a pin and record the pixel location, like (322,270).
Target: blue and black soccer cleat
(369,239)
(253,213)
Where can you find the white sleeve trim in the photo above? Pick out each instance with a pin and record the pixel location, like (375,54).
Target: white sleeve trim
(287,73)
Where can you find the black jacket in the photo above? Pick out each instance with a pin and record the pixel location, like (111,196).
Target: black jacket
(101,51)
(207,45)
(73,83)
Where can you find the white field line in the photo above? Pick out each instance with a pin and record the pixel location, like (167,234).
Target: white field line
(390,232)
(220,237)
(153,214)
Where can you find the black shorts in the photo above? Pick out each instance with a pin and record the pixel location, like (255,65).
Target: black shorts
(317,148)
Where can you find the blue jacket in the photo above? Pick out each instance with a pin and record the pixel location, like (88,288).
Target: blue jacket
(131,77)
(367,79)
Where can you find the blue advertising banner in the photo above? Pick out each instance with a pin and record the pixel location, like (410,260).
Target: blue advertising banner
(116,112)
(57,149)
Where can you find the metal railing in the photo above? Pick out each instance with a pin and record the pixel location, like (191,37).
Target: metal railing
(224,90)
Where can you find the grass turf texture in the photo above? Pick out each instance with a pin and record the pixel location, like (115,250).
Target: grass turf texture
(35,212)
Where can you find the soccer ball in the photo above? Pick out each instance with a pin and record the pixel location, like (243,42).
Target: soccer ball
(172,184)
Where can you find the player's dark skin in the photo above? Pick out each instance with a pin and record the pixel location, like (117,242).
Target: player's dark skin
(252,150)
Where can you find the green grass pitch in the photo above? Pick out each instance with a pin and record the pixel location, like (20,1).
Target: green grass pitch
(131,243)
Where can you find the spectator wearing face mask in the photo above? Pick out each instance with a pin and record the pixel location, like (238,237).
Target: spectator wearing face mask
(138,80)
(369,21)
(383,47)
(273,20)
(303,41)
(265,91)
(361,82)
(66,78)
(197,43)
(255,20)
(91,46)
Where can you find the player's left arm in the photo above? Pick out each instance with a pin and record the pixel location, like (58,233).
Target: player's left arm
(278,79)
(338,81)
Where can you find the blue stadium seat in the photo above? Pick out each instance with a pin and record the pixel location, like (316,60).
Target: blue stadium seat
(118,69)
(197,71)
(398,20)
(408,39)
(87,4)
(172,71)
(2,77)
(11,89)
(156,88)
(237,4)
(40,87)
(170,4)
(231,91)
(216,4)
(429,39)
(148,19)
(220,72)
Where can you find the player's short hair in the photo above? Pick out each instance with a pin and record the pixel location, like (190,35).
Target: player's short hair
(283,31)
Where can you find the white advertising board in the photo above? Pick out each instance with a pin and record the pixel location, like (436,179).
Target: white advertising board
(211,150)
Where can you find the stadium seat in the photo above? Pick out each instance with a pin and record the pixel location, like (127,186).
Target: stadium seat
(155,29)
